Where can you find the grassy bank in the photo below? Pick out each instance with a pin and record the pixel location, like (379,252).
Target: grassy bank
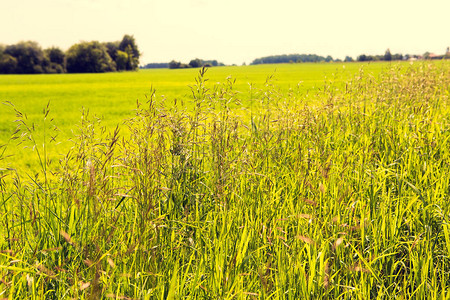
(345,196)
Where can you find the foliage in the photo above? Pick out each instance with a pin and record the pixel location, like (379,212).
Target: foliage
(86,57)
(348,59)
(113,95)
(388,55)
(196,63)
(89,57)
(177,65)
(364,57)
(56,60)
(344,198)
(128,45)
(112,48)
(8,64)
(121,60)
(29,57)
(276,59)
(156,66)
(56,55)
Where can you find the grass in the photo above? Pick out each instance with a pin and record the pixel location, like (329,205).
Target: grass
(337,192)
(112,96)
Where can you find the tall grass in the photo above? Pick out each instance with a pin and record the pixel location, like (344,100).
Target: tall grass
(344,197)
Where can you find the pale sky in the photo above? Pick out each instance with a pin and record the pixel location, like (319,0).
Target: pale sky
(233,31)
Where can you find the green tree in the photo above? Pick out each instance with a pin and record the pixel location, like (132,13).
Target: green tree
(362,57)
(348,59)
(8,64)
(174,64)
(387,55)
(55,55)
(397,56)
(129,46)
(29,56)
(121,60)
(196,63)
(89,57)
(112,48)
(54,60)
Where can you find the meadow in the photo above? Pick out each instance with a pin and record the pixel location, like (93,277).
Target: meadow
(112,97)
(246,187)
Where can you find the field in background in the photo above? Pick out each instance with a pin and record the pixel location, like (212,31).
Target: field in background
(112,96)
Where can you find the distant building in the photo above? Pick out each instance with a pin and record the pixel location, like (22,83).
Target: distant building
(435,56)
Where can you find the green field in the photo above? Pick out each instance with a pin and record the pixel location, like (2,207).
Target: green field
(112,96)
(334,189)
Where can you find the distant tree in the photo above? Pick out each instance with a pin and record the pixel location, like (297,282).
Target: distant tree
(211,63)
(54,60)
(277,59)
(348,59)
(121,60)
(426,55)
(125,53)
(156,66)
(112,48)
(362,57)
(55,55)
(387,55)
(29,56)
(196,63)
(89,57)
(128,45)
(8,64)
(397,56)
(174,64)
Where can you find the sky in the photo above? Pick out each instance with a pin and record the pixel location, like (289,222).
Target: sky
(233,31)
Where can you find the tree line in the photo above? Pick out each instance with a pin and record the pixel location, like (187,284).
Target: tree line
(85,57)
(156,66)
(303,58)
(386,57)
(195,63)
(291,58)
